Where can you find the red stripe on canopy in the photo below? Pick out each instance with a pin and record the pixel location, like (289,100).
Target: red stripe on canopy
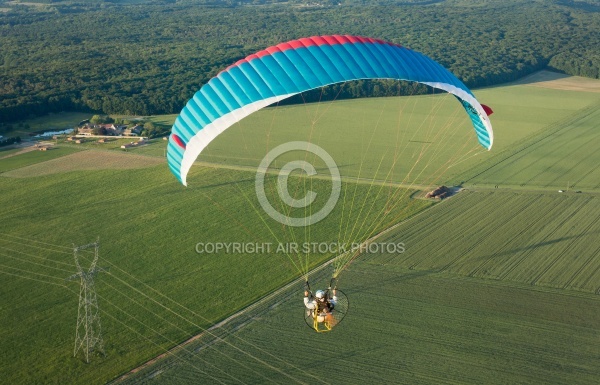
(178,141)
(310,41)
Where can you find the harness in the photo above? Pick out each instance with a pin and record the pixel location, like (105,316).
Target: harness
(326,313)
(324,304)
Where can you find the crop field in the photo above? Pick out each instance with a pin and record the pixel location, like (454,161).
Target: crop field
(367,138)
(566,157)
(404,327)
(494,287)
(546,239)
(7,152)
(148,227)
(557,81)
(497,285)
(420,139)
(33,157)
(85,160)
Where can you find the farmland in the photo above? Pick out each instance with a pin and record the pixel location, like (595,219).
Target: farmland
(6,152)
(565,157)
(84,160)
(514,298)
(404,327)
(496,284)
(558,81)
(545,239)
(523,113)
(148,227)
(33,157)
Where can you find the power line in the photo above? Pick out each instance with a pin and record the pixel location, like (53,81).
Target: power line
(88,332)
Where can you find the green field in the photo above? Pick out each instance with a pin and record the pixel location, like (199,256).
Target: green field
(5,151)
(547,239)
(565,158)
(405,327)
(497,285)
(33,157)
(494,287)
(148,226)
(372,138)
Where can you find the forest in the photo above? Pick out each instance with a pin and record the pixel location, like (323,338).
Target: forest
(149,57)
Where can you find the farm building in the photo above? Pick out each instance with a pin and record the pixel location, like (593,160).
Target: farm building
(87,131)
(133,131)
(104,129)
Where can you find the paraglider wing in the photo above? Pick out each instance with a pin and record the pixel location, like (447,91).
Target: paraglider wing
(287,69)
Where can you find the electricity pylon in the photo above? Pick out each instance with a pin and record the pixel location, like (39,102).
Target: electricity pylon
(88,334)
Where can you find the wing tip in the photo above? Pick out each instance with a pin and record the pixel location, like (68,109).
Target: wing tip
(487,109)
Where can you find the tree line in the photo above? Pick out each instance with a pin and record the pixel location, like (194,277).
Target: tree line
(9,141)
(150,58)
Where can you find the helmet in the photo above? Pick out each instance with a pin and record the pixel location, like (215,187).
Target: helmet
(320,294)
